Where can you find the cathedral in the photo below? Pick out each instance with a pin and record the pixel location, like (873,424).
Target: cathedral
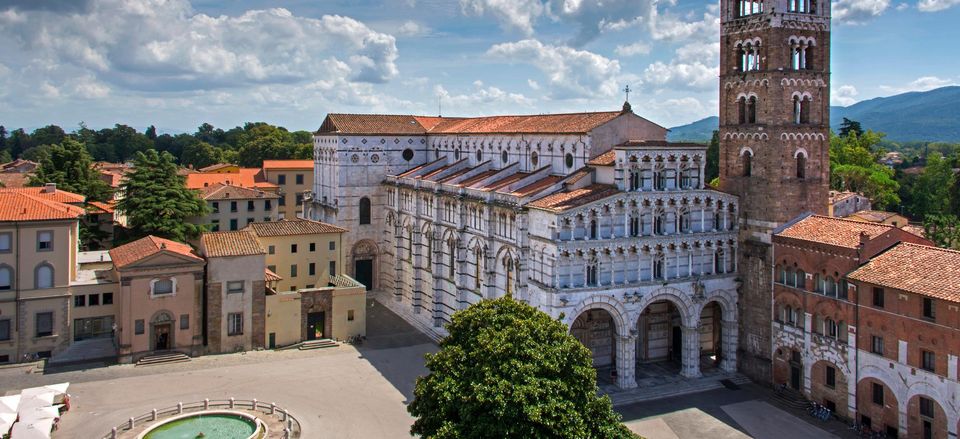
(595,218)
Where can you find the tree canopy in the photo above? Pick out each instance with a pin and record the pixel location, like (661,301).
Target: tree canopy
(509,370)
(69,165)
(156,201)
(854,167)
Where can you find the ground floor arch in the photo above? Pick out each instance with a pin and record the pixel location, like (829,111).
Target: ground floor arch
(363,263)
(926,418)
(877,406)
(828,386)
(596,329)
(660,333)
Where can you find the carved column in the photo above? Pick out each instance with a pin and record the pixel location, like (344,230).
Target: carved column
(626,361)
(691,352)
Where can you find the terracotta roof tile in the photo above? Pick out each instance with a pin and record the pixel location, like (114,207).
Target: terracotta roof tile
(247,177)
(537,186)
(371,124)
(605,159)
(220,191)
(270,276)
(562,201)
(840,232)
(232,243)
(506,181)
(109,207)
(145,247)
(477,178)
(13,179)
(216,167)
(288,164)
(916,230)
(19,206)
(49,194)
(875,216)
(574,123)
(920,269)
(293,227)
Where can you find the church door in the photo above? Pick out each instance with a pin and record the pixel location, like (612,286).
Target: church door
(363,269)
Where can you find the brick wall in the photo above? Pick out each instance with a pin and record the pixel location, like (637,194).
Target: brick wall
(214,316)
(259,315)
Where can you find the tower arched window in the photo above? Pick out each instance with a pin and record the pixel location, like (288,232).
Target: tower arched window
(801,165)
(591,278)
(718,262)
(742,111)
(751,115)
(747,159)
(364,211)
(749,7)
(801,109)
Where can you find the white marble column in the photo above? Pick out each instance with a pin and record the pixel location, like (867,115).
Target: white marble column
(728,343)
(691,352)
(626,361)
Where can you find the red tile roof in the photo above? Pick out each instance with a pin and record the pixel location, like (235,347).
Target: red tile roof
(232,243)
(562,201)
(571,123)
(477,178)
(270,276)
(216,167)
(606,159)
(288,164)
(145,247)
(920,269)
(220,191)
(20,206)
(288,227)
(875,216)
(839,232)
(247,177)
(49,194)
(13,179)
(537,186)
(105,207)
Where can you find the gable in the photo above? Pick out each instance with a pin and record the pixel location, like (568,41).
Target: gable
(164,258)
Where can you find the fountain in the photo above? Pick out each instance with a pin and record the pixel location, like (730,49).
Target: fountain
(219,424)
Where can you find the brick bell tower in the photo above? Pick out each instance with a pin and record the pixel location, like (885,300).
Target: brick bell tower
(774,141)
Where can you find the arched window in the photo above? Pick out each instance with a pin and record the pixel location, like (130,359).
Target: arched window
(504,157)
(742,111)
(534,159)
(508,266)
(801,165)
(44,276)
(453,258)
(592,273)
(478,255)
(593,229)
(479,155)
(788,315)
(456,154)
(659,223)
(752,110)
(718,262)
(747,158)
(634,179)
(634,225)
(801,110)
(801,280)
(364,211)
(684,222)
(658,267)
(568,159)
(6,278)
(162,287)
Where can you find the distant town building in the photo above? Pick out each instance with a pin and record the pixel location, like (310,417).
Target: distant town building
(16,173)
(234,207)
(236,291)
(294,178)
(880,217)
(843,204)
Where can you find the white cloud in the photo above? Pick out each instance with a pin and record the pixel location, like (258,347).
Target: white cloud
(694,67)
(925,83)
(936,5)
(512,14)
(570,72)
(902,7)
(674,110)
(164,44)
(411,28)
(638,48)
(533,84)
(858,11)
(844,95)
(489,98)
(670,27)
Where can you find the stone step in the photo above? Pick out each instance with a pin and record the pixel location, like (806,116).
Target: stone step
(677,389)
(318,344)
(790,398)
(166,358)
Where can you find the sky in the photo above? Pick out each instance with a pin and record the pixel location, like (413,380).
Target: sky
(178,63)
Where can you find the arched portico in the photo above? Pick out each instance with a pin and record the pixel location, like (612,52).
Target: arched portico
(599,324)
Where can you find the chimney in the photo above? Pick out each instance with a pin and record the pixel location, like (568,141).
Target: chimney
(50,188)
(864,238)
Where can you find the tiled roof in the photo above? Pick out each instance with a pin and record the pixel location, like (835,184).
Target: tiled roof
(605,159)
(19,165)
(49,194)
(840,232)
(288,164)
(105,207)
(836,197)
(288,227)
(247,177)
(216,167)
(19,206)
(920,269)
(579,123)
(112,178)
(562,201)
(232,243)
(220,191)
(873,215)
(145,247)
(13,179)
(270,276)
(477,178)
(537,186)
(916,230)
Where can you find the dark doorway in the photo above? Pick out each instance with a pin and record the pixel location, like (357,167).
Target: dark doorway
(927,430)
(677,345)
(273,340)
(795,377)
(315,325)
(363,269)
(162,337)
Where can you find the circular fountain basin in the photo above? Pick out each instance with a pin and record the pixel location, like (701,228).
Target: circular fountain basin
(214,424)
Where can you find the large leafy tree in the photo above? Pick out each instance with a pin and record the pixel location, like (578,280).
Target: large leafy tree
(854,167)
(156,201)
(509,370)
(850,126)
(931,190)
(943,230)
(70,166)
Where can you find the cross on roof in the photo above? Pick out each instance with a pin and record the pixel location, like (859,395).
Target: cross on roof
(627,90)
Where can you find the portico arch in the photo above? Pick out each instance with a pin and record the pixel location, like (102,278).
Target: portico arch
(619,363)
(363,263)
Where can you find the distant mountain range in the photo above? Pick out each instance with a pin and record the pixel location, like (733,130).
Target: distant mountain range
(932,116)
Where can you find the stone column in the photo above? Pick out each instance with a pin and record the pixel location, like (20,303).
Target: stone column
(728,343)
(626,361)
(691,352)
(902,408)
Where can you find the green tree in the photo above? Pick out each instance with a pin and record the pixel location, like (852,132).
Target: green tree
(3,138)
(509,370)
(943,230)
(156,201)
(712,167)
(931,190)
(850,126)
(19,141)
(199,154)
(264,142)
(48,135)
(151,132)
(70,166)
(854,167)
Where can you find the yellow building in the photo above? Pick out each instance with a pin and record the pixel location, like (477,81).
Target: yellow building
(880,217)
(294,177)
(220,168)
(310,297)
(38,262)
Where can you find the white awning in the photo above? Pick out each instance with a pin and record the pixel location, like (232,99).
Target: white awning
(6,421)
(38,413)
(9,404)
(59,389)
(36,399)
(33,430)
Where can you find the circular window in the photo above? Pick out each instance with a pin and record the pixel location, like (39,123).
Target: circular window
(375,158)
(479,155)
(355,158)
(569,160)
(408,154)
(504,156)
(534,159)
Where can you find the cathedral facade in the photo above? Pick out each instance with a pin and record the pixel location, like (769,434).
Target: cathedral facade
(591,217)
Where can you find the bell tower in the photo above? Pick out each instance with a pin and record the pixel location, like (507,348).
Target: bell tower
(774,141)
